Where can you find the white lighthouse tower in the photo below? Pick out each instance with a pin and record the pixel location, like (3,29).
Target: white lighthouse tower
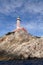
(18,27)
(18,23)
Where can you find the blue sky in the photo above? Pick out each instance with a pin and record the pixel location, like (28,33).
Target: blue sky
(30,12)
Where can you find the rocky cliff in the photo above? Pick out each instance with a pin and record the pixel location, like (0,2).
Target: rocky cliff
(20,45)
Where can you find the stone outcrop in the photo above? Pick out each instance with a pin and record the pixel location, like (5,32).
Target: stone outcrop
(20,45)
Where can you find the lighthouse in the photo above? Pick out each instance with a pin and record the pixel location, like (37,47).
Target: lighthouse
(18,26)
(18,23)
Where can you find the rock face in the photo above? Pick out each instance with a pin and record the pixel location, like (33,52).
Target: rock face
(20,45)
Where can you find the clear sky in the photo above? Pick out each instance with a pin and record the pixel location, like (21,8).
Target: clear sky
(30,12)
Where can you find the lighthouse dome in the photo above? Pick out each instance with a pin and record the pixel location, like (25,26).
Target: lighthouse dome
(18,18)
